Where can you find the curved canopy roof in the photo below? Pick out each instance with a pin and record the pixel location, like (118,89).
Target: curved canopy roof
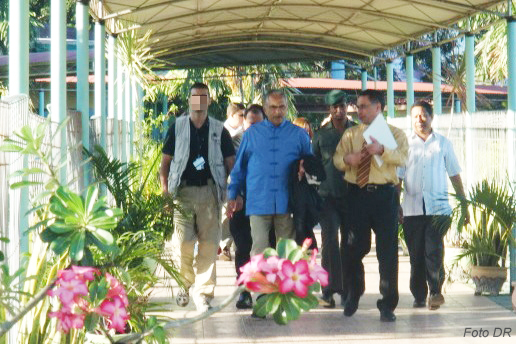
(194,33)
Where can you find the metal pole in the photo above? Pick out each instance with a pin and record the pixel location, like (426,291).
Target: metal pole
(83,71)
(363,73)
(19,47)
(100,79)
(121,111)
(511,120)
(128,112)
(410,82)
(164,110)
(58,74)
(41,105)
(436,77)
(390,89)
(338,70)
(470,73)
(112,91)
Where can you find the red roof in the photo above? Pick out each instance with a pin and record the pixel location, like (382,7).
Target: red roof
(380,85)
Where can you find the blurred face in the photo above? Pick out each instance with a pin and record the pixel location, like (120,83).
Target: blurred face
(276,108)
(367,111)
(421,121)
(238,117)
(252,118)
(199,99)
(338,111)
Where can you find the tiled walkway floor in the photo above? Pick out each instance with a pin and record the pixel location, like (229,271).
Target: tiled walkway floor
(447,325)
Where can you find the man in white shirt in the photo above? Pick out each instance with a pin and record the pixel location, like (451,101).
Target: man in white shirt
(426,211)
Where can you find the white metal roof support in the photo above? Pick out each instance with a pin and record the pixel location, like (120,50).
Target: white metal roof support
(112,91)
(100,79)
(58,75)
(390,89)
(436,78)
(470,73)
(409,67)
(121,110)
(83,85)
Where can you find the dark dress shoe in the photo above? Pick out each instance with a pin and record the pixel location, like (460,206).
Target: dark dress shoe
(387,316)
(245,301)
(351,307)
(327,301)
(419,304)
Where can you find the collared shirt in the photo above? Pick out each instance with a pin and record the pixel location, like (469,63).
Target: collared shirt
(324,144)
(198,148)
(263,163)
(352,141)
(425,175)
(236,133)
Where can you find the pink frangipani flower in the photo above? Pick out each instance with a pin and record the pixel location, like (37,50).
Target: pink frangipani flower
(116,313)
(68,289)
(67,320)
(116,289)
(250,269)
(85,272)
(272,269)
(317,273)
(296,278)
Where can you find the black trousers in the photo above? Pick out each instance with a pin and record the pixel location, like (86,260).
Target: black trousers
(424,236)
(333,254)
(376,208)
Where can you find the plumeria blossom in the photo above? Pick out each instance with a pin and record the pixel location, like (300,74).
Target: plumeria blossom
(272,268)
(72,291)
(116,313)
(297,278)
(317,273)
(250,269)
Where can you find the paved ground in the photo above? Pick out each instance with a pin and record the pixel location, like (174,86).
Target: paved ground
(447,325)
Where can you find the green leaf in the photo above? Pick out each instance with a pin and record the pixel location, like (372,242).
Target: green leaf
(24,183)
(10,147)
(61,228)
(77,246)
(280,317)
(87,260)
(4,239)
(285,246)
(91,196)
(2,257)
(60,244)
(47,235)
(91,321)
(269,252)
(295,255)
(152,321)
(311,300)
(160,335)
(304,304)
(260,307)
(103,236)
(124,275)
(273,303)
(291,308)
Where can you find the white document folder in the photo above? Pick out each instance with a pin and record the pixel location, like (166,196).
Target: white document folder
(381,133)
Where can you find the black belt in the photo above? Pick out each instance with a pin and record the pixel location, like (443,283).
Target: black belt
(372,187)
(198,182)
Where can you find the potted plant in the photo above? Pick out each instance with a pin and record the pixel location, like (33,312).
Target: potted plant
(488,236)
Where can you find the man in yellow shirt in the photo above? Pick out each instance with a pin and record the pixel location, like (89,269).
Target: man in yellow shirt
(373,204)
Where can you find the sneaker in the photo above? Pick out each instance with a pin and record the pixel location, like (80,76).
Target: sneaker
(419,303)
(202,305)
(182,298)
(435,301)
(327,301)
(245,301)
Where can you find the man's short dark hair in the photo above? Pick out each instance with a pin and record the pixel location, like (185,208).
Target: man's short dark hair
(199,85)
(254,108)
(425,105)
(274,92)
(374,97)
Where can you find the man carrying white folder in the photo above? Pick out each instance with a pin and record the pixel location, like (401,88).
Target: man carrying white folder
(373,199)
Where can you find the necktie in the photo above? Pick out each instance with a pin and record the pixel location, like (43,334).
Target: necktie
(364,167)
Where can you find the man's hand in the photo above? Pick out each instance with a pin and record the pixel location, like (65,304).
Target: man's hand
(233,206)
(301,171)
(375,147)
(353,159)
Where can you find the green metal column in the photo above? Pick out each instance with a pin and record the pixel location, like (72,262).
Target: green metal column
(100,79)
(83,71)
(58,74)
(112,92)
(121,111)
(19,47)
(363,73)
(390,89)
(470,72)
(410,81)
(436,77)
(41,105)
(511,119)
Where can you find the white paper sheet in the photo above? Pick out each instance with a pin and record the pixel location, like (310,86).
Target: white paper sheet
(381,133)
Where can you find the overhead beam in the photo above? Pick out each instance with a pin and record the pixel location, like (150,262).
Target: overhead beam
(456,7)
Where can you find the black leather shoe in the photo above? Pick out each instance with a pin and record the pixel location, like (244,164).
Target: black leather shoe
(387,316)
(245,301)
(327,301)
(419,304)
(351,307)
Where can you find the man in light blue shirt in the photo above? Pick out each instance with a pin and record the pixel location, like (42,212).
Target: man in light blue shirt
(426,211)
(263,162)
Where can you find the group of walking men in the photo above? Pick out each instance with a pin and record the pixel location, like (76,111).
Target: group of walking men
(359,193)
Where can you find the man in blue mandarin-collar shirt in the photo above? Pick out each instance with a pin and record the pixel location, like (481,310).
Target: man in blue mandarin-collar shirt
(263,161)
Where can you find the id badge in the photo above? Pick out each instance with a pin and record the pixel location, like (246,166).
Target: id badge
(199,163)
